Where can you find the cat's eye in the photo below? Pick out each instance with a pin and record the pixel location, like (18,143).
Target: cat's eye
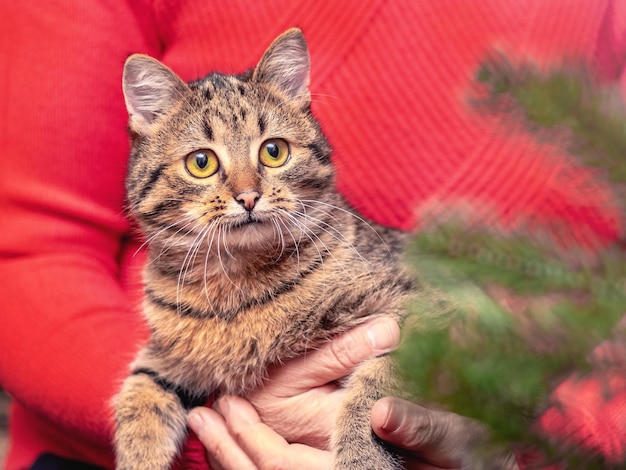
(274,153)
(202,163)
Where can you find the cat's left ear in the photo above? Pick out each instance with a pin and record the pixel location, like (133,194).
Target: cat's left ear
(151,90)
(286,65)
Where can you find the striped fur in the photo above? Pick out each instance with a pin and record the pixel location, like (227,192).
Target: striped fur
(230,291)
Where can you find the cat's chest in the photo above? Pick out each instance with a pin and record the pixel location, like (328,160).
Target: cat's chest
(247,335)
(229,285)
(241,315)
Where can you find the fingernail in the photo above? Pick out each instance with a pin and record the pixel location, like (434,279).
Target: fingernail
(384,335)
(392,421)
(195,420)
(222,406)
(230,409)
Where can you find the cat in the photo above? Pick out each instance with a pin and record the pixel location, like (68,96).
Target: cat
(254,257)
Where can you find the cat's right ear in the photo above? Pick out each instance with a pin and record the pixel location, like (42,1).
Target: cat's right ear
(150,90)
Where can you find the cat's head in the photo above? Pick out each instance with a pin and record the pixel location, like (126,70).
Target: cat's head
(241,156)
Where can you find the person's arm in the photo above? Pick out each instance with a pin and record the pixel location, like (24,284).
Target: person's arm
(68,277)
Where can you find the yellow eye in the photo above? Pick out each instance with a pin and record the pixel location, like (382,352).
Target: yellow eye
(274,153)
(202,163)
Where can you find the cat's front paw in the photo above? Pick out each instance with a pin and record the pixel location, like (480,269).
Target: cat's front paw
(136,451)
(373,455)
(355,445)
(150,425)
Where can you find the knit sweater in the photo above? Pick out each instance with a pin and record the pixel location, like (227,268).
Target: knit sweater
(391,85)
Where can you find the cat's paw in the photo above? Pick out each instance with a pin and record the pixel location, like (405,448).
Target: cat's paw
(150,425)
(143,447)
(367,459)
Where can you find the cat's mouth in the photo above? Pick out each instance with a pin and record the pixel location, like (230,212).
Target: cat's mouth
(244,222)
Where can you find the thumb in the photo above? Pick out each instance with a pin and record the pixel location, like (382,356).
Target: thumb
(439,438)
(335,359)
(409,426)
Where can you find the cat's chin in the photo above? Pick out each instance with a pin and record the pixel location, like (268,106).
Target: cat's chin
(250,234)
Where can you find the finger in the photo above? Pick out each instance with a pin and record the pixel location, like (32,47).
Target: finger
(336,359)
(402,424)
(440,438)
(437,439)
(266,448)
(222,450)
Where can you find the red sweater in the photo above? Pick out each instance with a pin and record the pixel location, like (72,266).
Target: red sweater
(390,84)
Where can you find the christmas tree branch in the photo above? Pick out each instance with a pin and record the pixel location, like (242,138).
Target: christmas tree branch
(513,317)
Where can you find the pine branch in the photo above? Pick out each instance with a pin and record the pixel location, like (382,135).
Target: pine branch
(512,316)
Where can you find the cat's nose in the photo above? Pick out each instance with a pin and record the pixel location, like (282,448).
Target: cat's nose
(248,199)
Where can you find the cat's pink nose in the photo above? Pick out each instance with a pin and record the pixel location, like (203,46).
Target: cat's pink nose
(248,199)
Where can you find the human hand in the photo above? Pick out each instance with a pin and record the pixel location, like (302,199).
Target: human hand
(431,439)
(298,404)
(237,439)
(427,439)
(301,399)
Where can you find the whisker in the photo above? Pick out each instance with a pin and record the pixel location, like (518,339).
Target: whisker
(312,236)
(225,242)
(220,236)
(281,238)
(361,219)
(187,264)
(340,237)
(206,262)
(148,241)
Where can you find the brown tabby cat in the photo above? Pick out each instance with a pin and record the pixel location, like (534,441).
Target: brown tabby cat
(254,257)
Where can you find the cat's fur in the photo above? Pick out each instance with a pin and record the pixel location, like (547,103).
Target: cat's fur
(252,265)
